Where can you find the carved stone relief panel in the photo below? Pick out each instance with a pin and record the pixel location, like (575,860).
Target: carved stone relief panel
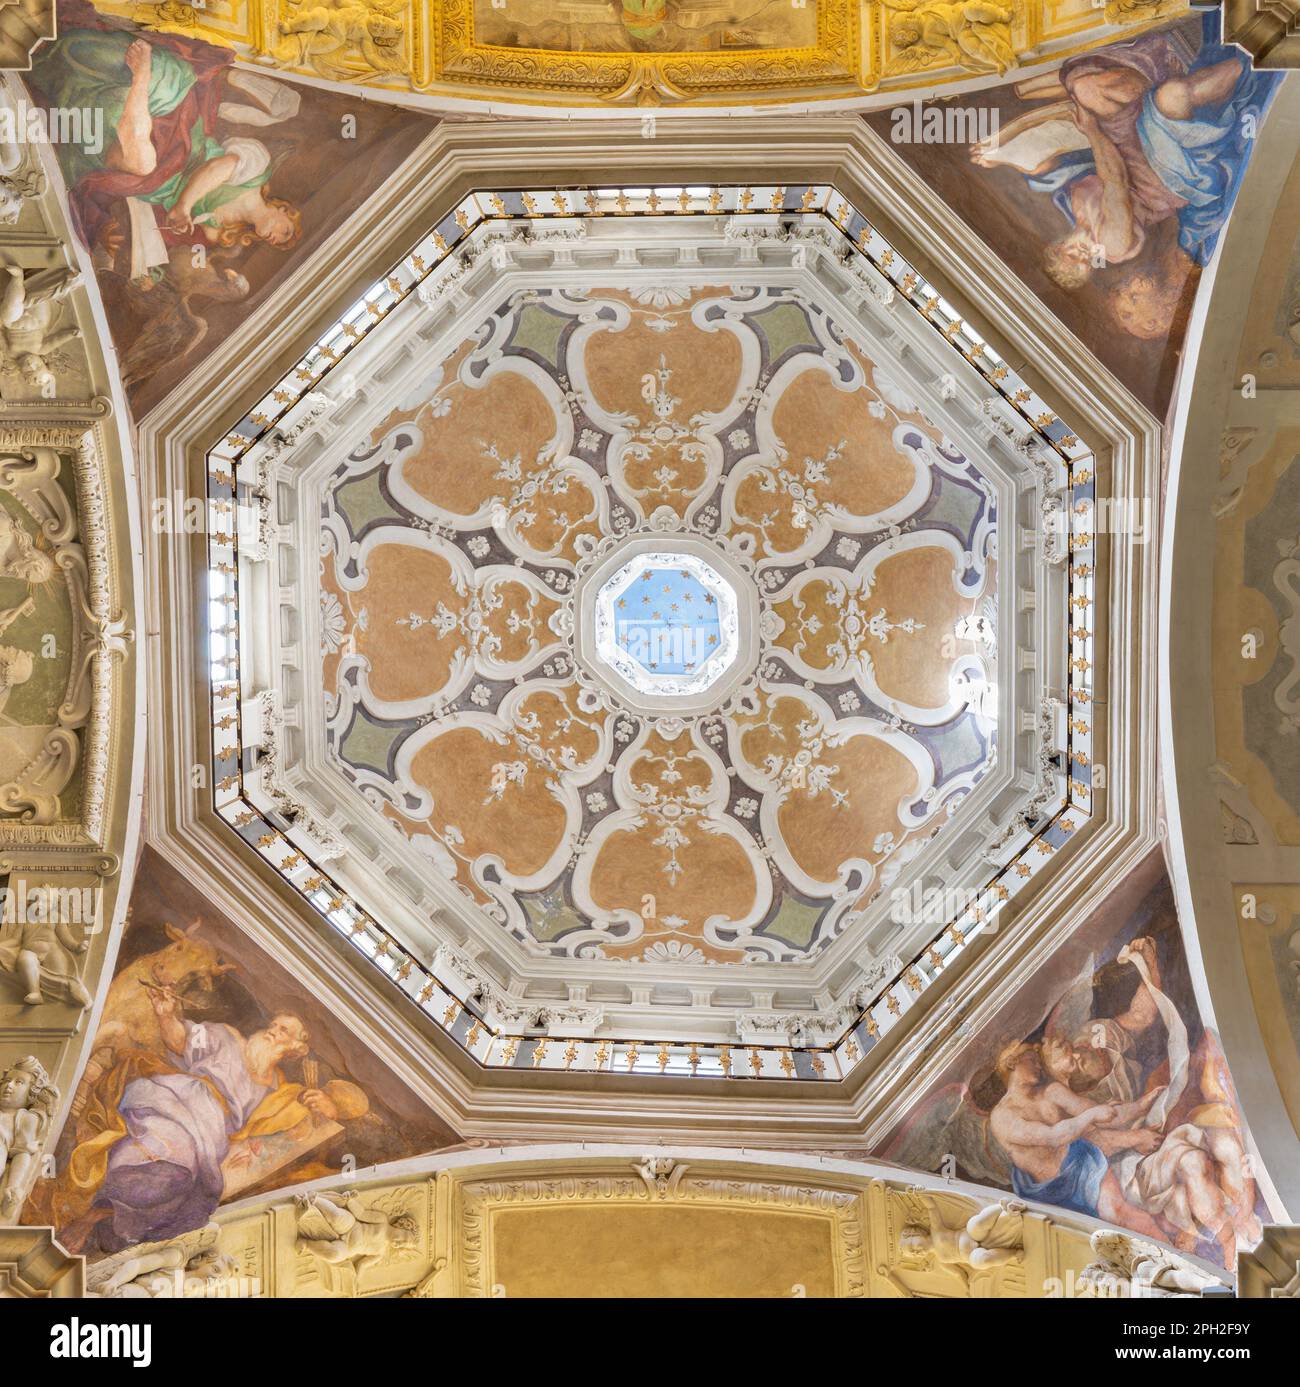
(67,658)
(576,1223)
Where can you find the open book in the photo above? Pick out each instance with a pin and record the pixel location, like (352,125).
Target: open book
(1034,142)
(148,249)
(255,1159)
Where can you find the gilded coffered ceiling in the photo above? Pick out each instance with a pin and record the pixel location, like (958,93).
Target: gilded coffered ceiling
(648,53)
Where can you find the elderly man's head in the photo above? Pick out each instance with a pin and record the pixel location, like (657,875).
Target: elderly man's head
(1076,1064)
(282,1038)
(1070,261)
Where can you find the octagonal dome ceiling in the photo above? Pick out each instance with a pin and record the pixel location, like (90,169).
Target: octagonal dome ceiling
(633,600)
(675,433)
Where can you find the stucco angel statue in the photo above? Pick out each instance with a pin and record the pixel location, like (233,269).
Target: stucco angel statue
(1131,1266)
(186,1266)
(27,1103)
(993,1237)
(973,34)
(30,309)
(338,1231)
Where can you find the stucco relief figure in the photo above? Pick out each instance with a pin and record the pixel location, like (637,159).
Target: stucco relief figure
(44,693)
(1126,1264)
(31,332)
(342,38)
(19,559)
(19,556)
(972,34)
(646,26)
(27,1103)
(163,1160)
(188,1265)
(992,1237)
(343,1234)
(40,954)
(15,665)
(662,1174)
(20,178)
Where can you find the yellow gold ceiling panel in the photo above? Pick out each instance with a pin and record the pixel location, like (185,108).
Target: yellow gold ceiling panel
(649,52)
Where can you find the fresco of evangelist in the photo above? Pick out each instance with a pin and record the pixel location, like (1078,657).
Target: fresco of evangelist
(1105,185)
(1100,1091)
(213,1075)
(208,180)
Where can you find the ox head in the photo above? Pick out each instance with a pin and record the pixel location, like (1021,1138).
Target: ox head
(187,959)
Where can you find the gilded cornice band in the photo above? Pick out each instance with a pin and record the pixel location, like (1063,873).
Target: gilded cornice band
(824,50)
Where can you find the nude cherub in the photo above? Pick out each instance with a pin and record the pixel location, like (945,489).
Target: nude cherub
(29,311)
(340,1233)
(27,1103)
(39,952)
(992,1237)
(970,33)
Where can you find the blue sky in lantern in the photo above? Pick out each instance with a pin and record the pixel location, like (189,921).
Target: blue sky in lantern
(668,621)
